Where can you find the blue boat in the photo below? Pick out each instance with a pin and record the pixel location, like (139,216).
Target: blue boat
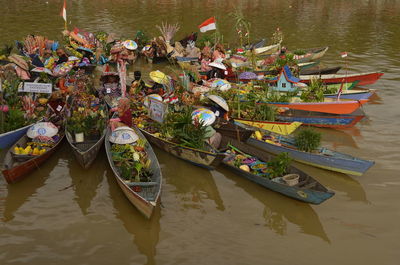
(326,121)
(352,94)
(9,138)
(306,190)
(322,157)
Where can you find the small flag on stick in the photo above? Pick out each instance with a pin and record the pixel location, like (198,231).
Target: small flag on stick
(343,54)
(209,24)
(64,14)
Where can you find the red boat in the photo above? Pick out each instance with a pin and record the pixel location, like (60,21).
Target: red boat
(14,170)
(363,78)
(332,107)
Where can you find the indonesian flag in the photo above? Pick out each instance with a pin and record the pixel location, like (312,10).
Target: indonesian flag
(64,11)
(207,25)
(343,54)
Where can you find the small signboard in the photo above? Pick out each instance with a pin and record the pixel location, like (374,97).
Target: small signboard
(36,87)
(157,110)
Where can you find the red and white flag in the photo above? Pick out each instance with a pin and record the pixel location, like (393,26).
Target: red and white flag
(209,24)
(64,11)
(343,54)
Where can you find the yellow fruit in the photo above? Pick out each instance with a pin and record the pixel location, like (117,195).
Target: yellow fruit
(41,152)
(258,135)
(35,151)
(16,150)
(245,168)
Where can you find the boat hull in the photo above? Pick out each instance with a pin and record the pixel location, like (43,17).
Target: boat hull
(9,138)
(333,121)
(144,206)
(21,171)
(86,158)
(333,107)
(363,79)
(196,157)
(352,95)
(355,167)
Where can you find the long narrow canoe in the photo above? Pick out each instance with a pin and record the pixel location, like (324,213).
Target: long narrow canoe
(320,71)
(332,106)
(14,170)
(353,94)
(143,195)
(345,86)
(206,159)
(311,54)
(267,50)
(322,158)
(324,121)
(9,138)
(307,190)
(283,128)
(363,78)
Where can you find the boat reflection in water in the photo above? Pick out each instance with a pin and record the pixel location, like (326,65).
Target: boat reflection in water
(192,184)
(85,182)
(280,210)
(20,192)
(145,231)
(338,182)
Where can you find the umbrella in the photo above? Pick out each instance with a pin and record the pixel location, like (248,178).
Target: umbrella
(247,76)
(159,77)
(42,129)
(220,101)
(206,116)
(218,65)
(130,45)
(19,60)
(221,84)
(146,102)
(42,70)
(84,49)
(196,111)
(123,135)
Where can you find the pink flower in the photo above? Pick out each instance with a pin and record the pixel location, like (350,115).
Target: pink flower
(4,108)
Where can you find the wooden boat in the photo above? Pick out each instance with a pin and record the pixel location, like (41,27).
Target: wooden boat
(307,190)
(363,78)
(206,159)
(320,71)
(230,129)
(345,86)
(14,170)
(9,138)
(143,195)
(311,55)
(267,50)
(322,158)
(283,128)
(329,106)
(307,65)
(86,152)
(322,120)
(353,94)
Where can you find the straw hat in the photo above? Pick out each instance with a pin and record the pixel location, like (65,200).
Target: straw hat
(19,60)
(219,101)
(123,135)
(218,65)
(42,129)
(159,77)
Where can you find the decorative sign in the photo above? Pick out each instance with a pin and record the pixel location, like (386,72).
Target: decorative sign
(36,87)
(157,110)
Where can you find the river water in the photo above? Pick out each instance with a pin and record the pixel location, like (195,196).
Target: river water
(62,214)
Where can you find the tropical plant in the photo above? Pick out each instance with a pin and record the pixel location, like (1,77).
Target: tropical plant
(314,92)
(242,26)
(277,166)
(168,30)
(308,140)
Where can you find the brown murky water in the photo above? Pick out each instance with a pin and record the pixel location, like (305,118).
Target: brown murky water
(216,217)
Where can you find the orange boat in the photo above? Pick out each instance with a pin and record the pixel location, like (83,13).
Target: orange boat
(332,107)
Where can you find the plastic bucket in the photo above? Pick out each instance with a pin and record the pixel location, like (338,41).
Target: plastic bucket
(291,179)
(79,137)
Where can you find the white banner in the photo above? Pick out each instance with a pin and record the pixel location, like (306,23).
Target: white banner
(36,87)
(157,110)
